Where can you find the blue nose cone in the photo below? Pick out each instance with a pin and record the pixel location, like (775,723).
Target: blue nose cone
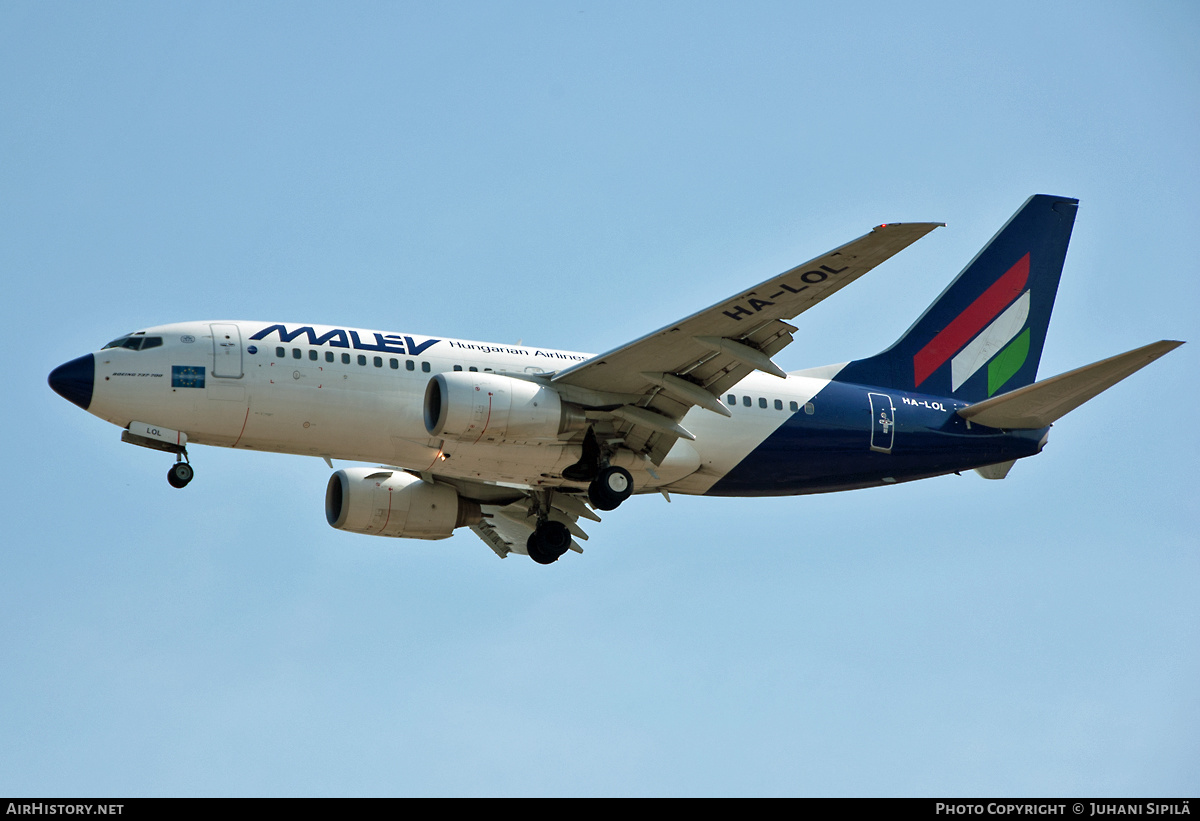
(74,380)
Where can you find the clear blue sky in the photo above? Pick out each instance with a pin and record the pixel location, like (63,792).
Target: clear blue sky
(575,175)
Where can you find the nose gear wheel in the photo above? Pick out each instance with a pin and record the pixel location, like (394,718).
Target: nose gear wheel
(180,474)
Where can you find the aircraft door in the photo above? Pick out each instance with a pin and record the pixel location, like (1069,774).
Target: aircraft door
(227,350)
(883,422)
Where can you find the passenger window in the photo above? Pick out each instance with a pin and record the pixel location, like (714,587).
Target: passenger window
(379,362)
(295,353)
(312,355)
(329,356)
(746,401)
(425,367)
(809,409)
(474,369)
(778,404)
(762,402)
(409,365)
(345,359)
(458,367)
(362,360)
(394,363)
(793,407)
(280,352)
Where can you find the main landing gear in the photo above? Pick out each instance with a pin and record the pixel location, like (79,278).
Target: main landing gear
(613,486)
(180,473)
(609,485)
(548,541)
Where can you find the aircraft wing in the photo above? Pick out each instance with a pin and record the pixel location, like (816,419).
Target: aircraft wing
(693,361)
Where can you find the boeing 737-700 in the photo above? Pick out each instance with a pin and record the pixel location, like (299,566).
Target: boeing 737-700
(520,443)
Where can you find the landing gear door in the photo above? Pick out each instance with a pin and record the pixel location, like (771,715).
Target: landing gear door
(227,350)
(883,422)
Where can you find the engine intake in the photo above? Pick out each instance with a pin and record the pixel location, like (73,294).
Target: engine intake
(469,406)
(382,502)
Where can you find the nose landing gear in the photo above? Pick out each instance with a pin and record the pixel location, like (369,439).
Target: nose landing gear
(157,437)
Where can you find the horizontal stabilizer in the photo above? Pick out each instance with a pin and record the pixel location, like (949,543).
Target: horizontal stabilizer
(1040,404)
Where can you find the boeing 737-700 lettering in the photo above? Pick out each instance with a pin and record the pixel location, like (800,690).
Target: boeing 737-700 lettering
(520,443)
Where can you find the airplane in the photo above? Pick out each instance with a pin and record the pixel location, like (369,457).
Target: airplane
(519,443)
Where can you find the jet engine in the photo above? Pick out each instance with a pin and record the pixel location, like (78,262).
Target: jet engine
(383,502)
(469,406)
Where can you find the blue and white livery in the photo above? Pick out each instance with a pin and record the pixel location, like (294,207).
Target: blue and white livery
(520,443)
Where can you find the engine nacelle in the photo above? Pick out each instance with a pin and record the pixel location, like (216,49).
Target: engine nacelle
(383,502)
(469,406)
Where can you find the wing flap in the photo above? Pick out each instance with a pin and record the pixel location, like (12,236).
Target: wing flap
(505,528)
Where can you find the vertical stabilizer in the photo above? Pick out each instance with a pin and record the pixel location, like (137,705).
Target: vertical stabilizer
(985,333)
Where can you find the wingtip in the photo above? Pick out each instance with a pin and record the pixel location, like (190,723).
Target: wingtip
(928,226)
(1163,346)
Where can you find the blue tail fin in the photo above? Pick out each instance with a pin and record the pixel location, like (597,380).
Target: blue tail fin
(985,333)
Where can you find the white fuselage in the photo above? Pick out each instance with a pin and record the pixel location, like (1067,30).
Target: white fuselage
(358,395)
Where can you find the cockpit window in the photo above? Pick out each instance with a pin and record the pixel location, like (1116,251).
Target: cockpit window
(134,342)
